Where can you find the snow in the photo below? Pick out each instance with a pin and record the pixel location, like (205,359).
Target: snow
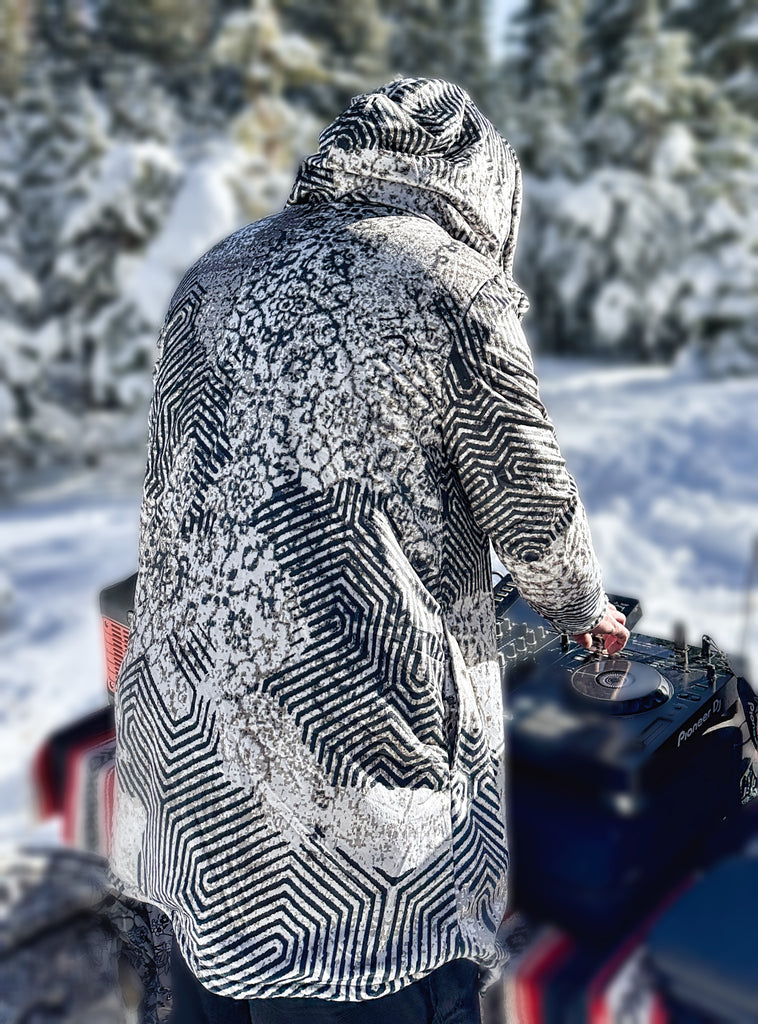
(203,212)
(747,29)
(612,310)
(668,469)
(16,283)
(666,463)
(588,204)
(721,219)
(607,252)
(127,170)
(676,153)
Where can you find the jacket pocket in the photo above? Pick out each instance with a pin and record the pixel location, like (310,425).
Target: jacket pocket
(469,749)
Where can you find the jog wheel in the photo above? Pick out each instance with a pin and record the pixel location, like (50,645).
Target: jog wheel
(621,686)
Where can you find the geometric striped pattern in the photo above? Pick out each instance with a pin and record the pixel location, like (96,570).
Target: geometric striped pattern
(511,467)
(193,406)
(309,721)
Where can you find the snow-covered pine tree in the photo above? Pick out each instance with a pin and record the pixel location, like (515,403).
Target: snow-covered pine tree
(544,65)
(352,41)
(470,60)
(123,200)
(654,91)
(719,298)
(171,32)
(271,132)
(417,44)
(725,47)
(607,26)
(19,300)
(540,112)
(49,148)
(684,241)
(82,202)
(443,39)
(607,260)
(14,43)
(644,128)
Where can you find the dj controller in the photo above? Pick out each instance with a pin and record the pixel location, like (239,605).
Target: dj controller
(618,765)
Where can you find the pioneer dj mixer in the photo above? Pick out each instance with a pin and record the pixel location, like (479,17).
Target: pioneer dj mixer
(617,765)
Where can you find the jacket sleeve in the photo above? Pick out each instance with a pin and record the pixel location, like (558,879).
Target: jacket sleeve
(501,441)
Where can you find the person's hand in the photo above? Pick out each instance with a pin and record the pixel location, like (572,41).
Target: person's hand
(611,630)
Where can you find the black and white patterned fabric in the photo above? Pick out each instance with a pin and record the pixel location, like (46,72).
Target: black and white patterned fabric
(310,738)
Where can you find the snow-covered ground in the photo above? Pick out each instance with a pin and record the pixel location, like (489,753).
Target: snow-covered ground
(668,469)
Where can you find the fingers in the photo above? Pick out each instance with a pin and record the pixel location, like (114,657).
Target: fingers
(616,642)
(583,639)
(612,642)
(611,629)
(615,613)
(615,637)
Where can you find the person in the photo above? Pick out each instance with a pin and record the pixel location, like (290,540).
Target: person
(310,766)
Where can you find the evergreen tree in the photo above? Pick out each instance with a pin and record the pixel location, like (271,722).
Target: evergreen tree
(61,130)
(18,292)
(83,203)
(127,200)
(19,297)
(352,42)
(652,92)
(348,31)
(690,147)
(442,39)
(607,27)
(606,248)
(469,60)
(719,304)
(169,31)
(417,44)
(653,247)
(726,45)
(544,71)
(271,132)
(14,43)
(719,300)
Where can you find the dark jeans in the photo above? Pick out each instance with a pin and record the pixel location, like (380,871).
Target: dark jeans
(447,996)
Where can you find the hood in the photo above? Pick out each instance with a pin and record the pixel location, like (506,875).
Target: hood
(421,145)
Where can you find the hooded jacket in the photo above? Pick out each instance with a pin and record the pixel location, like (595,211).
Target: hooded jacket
(310,776)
